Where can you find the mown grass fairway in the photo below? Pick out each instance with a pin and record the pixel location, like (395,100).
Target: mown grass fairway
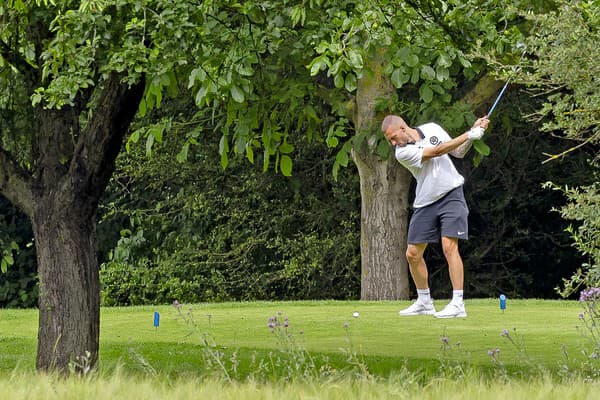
(381,339)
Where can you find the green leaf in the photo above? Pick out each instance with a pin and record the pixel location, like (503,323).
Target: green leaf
(318,64)
(266,159)
(224,160)
(444,60)
(383,149)
(412,60)
(427,73)
(223,145)
(335,170)
(183,153)
(245,70)
(442,74)
(200,95)
(149,144)
(414,78)
(338,80)
(477,159)
(356,60)
(332,141)
(399,78)
(286,165)
(36,98)
(342,158)
(481,147)
(157,132)
(134,138)
(426,93)
(142,107)
(350,83)
(401,56)
(250,153)
(237,94)
(286,148)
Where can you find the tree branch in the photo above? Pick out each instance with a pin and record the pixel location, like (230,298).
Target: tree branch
(15,183)
(552,157)
(433,17)
(482,94)
(14,58)
(101,140)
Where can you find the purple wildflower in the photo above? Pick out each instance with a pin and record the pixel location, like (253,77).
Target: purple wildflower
(445,339)
(505,333)
(176,305)
(590,294)
(493,352)
(271,323)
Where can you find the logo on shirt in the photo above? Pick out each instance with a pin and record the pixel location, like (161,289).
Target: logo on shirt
(434,140)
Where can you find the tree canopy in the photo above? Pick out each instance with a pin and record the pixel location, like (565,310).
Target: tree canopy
(75,73)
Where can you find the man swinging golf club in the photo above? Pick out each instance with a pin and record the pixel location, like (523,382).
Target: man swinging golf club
(440,209)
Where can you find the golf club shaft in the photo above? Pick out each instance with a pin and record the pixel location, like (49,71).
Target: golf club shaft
(506,84)
(497,99)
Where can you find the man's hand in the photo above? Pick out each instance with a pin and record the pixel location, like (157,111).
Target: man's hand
(475,133)
(478,128)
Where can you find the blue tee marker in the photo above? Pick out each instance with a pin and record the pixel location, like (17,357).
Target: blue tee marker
(156,319)
(502,302)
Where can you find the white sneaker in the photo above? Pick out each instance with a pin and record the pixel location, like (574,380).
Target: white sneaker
(452,311)
(418,308)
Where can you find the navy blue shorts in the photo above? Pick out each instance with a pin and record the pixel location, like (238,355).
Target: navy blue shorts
(446,217)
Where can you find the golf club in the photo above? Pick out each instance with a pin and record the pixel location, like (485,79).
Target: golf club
(515,68)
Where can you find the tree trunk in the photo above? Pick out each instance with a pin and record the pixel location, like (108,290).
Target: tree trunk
(384,187)
(69,299)
(65,190)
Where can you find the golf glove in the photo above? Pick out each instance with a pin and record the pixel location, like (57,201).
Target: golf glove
(475,133)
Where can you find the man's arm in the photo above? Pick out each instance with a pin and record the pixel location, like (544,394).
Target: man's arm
(458,146)
(445,148)
(461,150)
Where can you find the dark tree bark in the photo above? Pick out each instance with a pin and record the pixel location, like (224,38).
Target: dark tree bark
(384,187)
(60,194)
(69,299)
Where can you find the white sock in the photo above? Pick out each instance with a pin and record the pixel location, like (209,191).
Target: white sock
(424,295)
(457,297)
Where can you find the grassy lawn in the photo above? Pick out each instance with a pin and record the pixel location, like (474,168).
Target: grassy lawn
(540,330)
(406,357)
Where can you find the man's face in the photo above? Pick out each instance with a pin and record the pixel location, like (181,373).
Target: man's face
(397,135)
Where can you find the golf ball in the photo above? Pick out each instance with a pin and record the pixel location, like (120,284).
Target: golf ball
(355,314)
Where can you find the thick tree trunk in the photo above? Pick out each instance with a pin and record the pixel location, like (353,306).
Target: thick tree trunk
(384,187)
(384,214)
(68,183)
(69,300)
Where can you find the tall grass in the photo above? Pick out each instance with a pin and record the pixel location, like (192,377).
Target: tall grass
(397,386)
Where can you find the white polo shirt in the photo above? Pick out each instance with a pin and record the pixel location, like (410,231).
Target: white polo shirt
(436,176)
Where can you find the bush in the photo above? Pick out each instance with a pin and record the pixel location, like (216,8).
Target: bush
(583,207)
